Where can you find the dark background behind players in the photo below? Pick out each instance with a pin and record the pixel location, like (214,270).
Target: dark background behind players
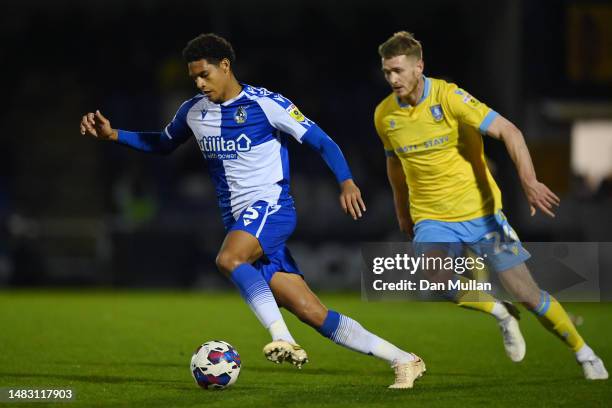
(73,211)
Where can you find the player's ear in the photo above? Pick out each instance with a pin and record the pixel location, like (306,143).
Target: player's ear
(420,65)
(225,65)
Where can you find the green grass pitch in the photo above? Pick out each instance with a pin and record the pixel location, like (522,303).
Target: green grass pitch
(133,349)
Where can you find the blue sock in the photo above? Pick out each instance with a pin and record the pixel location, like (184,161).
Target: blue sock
(256,292)
(349,333)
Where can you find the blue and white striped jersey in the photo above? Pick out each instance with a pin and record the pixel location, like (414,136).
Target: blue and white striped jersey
(244,143)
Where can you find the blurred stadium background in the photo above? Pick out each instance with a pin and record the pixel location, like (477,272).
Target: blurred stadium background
(77,212)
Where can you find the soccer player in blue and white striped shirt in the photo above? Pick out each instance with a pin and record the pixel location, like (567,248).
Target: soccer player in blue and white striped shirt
(243,133)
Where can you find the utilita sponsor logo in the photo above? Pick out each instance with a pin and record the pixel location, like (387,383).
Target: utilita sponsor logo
(217,147)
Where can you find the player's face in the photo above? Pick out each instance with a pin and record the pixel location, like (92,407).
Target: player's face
(402,73)
(210,79)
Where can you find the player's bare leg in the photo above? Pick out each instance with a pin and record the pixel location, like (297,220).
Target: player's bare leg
(519,283)
(506,314)
(238,251)
(237,248)
(292,292)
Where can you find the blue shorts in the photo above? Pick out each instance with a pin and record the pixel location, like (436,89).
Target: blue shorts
(491,237)
(272,225)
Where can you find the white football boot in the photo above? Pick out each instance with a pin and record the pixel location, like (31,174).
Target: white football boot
(407,373)
(280,350)
(594,369)
(514,343)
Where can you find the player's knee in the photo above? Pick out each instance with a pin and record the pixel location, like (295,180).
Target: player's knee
(226,262)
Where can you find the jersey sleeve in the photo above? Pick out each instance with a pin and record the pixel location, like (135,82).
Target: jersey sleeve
(177,130)
(318,140)
(380,130)
(165,142)
(285,116)
(467,109)
(151,142)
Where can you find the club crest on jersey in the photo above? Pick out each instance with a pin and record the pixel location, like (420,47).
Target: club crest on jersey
(437,113)
(295,113)
(392,124)
(241,115)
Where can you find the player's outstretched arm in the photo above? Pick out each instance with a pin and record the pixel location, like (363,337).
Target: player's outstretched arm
(397,180)
(286,117)
(538,194)
(350,195)
(96,125)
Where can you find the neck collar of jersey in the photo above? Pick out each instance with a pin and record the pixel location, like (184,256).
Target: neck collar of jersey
(235,98)
(426,89)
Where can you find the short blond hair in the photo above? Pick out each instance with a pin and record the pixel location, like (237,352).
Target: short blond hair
(401,43)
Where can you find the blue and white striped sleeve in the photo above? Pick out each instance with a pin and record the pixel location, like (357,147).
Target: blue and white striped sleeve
(178,130)
(286,117)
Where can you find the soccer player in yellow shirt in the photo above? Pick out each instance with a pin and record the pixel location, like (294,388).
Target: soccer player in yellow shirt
(444,193)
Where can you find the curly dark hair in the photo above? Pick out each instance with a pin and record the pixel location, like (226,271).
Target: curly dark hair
(211,47)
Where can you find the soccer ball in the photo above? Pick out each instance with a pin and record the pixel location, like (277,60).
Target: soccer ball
(215,364)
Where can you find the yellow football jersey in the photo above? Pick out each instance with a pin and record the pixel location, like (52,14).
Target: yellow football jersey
(440,146)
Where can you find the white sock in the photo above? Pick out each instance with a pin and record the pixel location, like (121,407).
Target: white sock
(279,331)
(352,335)
(585,354)
(256,292)
(499,311)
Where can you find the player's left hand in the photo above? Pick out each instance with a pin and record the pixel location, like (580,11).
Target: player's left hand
(540,198)
(350,199)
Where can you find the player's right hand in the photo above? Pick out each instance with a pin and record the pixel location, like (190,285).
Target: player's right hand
(96,125)
(541,198)
(350,199)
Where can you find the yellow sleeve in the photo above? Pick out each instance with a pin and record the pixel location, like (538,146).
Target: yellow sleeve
(467,109)
(380,130)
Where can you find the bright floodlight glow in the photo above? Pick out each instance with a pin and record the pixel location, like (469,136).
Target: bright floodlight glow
(592,150)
